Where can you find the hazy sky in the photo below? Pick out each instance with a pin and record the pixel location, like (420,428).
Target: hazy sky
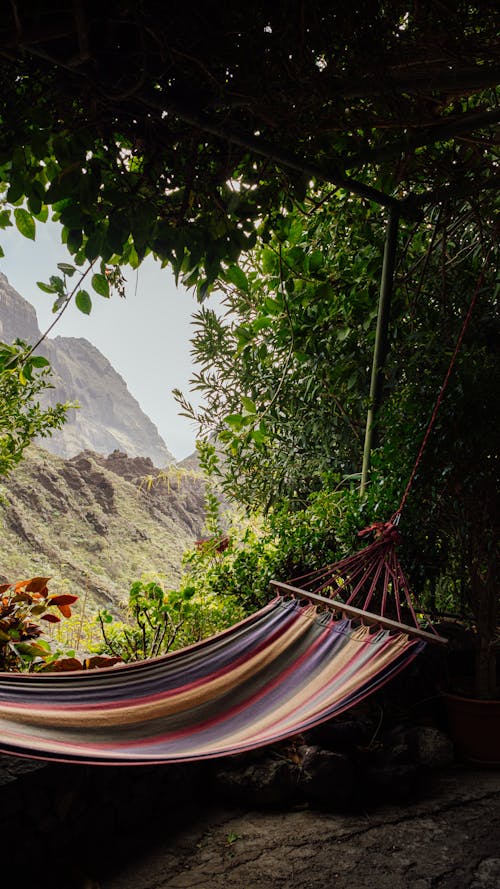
(145,336)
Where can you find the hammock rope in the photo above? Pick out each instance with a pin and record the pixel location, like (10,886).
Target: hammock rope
(442,391)
(375,570)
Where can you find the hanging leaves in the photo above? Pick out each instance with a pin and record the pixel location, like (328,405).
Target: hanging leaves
(101,285)
(25,223)
(83,302)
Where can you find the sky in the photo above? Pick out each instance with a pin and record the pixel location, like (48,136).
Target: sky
(145,336)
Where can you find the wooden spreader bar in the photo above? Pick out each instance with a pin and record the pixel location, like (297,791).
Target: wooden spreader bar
(367,616)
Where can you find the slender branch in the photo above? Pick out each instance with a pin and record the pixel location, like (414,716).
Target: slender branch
(430,135)
(328,172)
(107,641)
(65,306)
(447,192)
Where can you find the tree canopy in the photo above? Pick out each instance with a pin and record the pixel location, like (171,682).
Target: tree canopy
(178,129)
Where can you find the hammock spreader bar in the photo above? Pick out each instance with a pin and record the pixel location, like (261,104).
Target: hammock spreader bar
(368,585)
(280,672)
(367,617)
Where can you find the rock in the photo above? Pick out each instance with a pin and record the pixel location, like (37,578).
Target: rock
(342,734)
(421,745)
(391,783)
(487,874)
(269,782)
(397,746)
(327,778)
(434,748)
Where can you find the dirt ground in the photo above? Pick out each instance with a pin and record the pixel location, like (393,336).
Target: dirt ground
(449,838)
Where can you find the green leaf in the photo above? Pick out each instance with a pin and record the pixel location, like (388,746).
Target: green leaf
(29,649)
(35,204)
(83,302)
(16,188)
(5,219)
(273,306)
(74,239)
(258,437)
(268,261)
(101,285)
(315,260)
(248,405)
(59,303)
(43,215)
(236,421)
(237,277)
(261,323)
(66,268)
(57,283)
(45,287)
(27,372)
(39,361)
(25,223)
(93,246)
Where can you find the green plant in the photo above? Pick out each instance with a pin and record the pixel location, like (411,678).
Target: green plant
(280,545)
(22,643)
(23,377)
(210,469)
(232,838)
(22,606)
(187,162)
(157,621)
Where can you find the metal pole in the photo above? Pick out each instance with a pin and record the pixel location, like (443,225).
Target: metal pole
(380,349)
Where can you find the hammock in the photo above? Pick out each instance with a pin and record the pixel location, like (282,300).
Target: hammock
(280,672)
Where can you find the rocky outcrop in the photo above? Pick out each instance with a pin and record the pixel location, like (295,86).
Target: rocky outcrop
(108,416)
(93,524)
(17,316)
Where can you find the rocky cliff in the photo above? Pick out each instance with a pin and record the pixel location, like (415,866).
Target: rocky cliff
(95,524)
(108,417)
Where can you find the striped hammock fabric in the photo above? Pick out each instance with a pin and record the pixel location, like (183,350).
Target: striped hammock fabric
(280,672)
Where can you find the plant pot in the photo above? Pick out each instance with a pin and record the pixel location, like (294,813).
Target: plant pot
(475,728)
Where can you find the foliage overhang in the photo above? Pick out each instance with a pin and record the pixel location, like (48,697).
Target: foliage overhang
(179,128)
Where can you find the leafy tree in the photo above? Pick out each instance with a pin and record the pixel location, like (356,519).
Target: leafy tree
(23,377)
(148,129)
(284,369)
(280,370)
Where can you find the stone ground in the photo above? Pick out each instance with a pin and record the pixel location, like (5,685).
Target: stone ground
(449,838)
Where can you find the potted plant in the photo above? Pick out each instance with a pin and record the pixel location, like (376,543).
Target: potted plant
(473,701)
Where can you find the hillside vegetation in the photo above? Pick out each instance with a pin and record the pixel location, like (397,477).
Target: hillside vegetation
(92,524)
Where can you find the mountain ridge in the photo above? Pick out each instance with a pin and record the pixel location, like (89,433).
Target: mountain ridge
(92,525)
(109,417)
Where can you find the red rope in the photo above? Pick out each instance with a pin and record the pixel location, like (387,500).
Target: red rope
(439,399)
(377,566)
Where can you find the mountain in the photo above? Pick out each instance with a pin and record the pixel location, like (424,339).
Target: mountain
(96,523)
(109,417)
